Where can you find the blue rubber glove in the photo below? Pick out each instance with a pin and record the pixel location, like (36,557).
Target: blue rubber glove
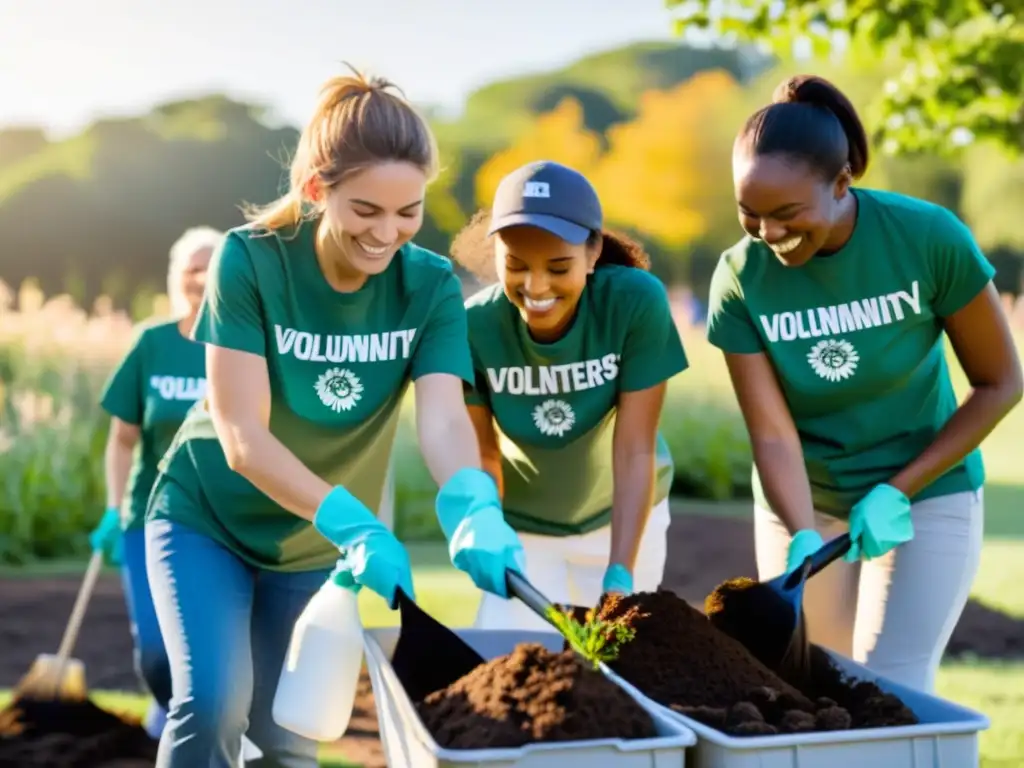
(480,542)
(804,543)
(108,538)
(617,579)
(369,550)
(879,522)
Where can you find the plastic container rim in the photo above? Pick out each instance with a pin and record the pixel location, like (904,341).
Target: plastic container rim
(686,737)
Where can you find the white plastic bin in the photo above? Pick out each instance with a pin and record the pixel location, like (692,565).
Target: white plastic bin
(408,744)
(945,737)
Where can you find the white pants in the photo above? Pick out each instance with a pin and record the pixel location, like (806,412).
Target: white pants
(570,570)
(896,613)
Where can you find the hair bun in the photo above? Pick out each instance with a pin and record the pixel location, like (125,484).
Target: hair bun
(805,89)
(357,84)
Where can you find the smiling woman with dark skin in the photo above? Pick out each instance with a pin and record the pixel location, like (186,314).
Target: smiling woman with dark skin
(832,314)
(572,348)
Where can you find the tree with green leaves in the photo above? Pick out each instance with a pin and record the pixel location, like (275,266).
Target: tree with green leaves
(961,79)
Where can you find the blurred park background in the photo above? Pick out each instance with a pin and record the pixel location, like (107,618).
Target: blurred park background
(88,210)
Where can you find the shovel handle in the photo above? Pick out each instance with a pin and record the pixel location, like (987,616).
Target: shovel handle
(831,551)
(519,587)
(81,603)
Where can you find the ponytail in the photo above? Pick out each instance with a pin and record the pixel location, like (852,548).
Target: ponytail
(618,249)
(358,122)
(812,120)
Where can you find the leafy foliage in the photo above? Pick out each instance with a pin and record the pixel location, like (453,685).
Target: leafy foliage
(961,79)
(594,639)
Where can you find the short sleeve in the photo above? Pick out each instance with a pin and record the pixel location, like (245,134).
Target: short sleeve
(959,269)
(230,315)
(729,325)
(444,343)
(653,351)
(123,395)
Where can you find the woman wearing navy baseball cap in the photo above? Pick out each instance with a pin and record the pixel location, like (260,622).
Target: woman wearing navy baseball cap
(572,347)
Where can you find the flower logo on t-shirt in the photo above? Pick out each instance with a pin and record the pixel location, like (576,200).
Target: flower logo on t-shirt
(339,389)
(554,417)
(833,359)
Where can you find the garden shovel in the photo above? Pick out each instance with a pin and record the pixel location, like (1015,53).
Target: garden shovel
(428,656)
(59,676)
(768,617)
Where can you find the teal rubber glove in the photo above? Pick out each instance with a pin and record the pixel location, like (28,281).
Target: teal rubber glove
(376,559)
(480,542)
(108,538)
(878,523)
(804,543)
(617,579)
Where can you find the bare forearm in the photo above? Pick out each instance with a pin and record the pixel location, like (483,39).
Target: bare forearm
(448,443)
(631,506)
(117,465)
(783,475)
(265,462)
(983,409)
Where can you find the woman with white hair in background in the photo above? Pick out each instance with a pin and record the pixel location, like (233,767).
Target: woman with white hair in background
(147,397)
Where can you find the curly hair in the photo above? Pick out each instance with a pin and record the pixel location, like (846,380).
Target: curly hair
(472,250)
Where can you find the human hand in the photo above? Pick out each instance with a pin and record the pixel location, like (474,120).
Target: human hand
(804,543)
(108,538)
(879,522)
(370,552)
(480,542)
(617,579)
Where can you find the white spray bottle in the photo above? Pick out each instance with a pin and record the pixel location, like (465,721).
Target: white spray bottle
(317,687)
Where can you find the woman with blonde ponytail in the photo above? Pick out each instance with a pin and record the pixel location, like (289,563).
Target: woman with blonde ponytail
(318,315)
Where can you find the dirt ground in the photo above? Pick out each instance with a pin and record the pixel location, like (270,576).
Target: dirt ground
(702,553)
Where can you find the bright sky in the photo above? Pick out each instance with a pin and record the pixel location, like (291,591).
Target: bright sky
(64,62)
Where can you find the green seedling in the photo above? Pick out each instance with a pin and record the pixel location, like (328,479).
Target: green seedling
(595,639)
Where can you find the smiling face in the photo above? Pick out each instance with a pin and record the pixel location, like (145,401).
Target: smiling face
(372,214)
(193,277)
(789,205)
(544,276)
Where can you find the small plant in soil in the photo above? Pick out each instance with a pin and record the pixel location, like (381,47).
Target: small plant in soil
(593,638)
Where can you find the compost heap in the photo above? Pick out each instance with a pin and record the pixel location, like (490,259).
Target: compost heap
(532,695)
(71,734)
(679,659)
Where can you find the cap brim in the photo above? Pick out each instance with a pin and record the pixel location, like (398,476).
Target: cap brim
(566,230)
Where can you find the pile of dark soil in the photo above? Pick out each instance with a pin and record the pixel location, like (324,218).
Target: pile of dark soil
(679,659)
(532,695)
(65,734)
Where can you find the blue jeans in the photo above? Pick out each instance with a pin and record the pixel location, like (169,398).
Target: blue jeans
(227,626)
(150,656)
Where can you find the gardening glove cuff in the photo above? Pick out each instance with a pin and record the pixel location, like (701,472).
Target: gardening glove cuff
(617,578)
(468,491)
(804,543)
(106,537)
(879,522)
(372,554)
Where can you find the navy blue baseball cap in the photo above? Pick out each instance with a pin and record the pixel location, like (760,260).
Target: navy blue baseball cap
(550,196)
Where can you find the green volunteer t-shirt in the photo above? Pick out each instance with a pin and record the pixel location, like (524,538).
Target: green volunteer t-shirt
(555,404)
(159,379)
(339,365)
(856,338)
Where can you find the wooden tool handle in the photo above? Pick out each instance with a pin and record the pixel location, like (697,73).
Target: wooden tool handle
(81,603)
